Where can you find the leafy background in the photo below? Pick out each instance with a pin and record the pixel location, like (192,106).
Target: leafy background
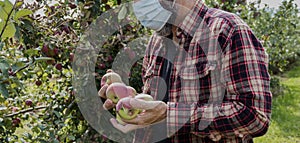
(37,45)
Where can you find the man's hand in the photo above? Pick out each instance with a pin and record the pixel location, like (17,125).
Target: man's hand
(153,112)
(108,104)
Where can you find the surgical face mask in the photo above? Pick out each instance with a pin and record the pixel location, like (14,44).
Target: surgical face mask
(151,14)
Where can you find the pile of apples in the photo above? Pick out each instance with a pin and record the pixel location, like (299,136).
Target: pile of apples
(120,95)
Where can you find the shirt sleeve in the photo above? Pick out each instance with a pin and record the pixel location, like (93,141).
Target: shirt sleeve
(246,107)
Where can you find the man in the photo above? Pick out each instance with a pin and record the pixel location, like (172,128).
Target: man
(209,71)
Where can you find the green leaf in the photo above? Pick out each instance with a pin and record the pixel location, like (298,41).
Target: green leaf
(3,14)
(8,6)
(122,12)
(19,4)
(3,108)
(22,13)
(57,114)
(31,52)
(4,91)
(43,59)
(9,31)
(2,23)
(4,67)
(1,44)
(71,137)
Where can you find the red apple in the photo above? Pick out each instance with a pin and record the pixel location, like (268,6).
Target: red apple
(66,29)
(16,121)
(71,57)
(102,66)
(56,51)
(45,49)
(110,78)
(131,91)
(109,70)
(38,82)
(116,91)
(28,102)
(110,58)
(58,66)
(143,96)
(14,109)
(125,110)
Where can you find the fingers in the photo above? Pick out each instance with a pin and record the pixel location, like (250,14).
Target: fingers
(144,119)
(150,116)
(142,104)
(102,91)
(125,128)
(215,136)
(108,104)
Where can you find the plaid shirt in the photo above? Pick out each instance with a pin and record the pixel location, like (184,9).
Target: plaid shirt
(219,80)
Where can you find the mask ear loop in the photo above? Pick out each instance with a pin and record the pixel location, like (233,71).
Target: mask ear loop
(174,2)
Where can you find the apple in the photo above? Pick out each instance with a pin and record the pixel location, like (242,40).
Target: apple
(28,102)
(119,119)
(58,66)
(110,58)
(56,51)
(116,91)
(131,91)
(16,121)
(45,49)
(109,70)
(14,109)
(38,83)
(143,96)
(66,29)
(71,57)
(125,110)
(102,66)
(110,78)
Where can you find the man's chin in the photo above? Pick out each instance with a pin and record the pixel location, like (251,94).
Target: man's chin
(165,31)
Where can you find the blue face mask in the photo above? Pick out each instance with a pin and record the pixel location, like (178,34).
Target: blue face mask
(151,14)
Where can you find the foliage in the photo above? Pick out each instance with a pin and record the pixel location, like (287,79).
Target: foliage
(37,47)
(277,29)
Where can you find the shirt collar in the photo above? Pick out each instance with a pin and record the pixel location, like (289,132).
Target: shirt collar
(192,21)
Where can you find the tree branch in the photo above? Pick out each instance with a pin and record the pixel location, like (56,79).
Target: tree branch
(26,110)
(26,66)
(8,16)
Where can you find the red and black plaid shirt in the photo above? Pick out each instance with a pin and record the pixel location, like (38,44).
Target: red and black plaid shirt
(219,80)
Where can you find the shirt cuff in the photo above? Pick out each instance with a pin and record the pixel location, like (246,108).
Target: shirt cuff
(186,119)
(178,118)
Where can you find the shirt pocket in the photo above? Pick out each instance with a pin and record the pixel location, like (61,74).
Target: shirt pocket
(197,70)
(195,82)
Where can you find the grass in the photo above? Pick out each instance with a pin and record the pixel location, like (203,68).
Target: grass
(285,125)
